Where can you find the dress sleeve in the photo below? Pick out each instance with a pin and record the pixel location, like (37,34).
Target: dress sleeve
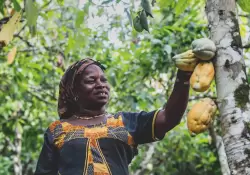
(141,126)
(47,162)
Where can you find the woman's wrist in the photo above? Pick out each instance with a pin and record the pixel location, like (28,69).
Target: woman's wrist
(183,77)
(182,82)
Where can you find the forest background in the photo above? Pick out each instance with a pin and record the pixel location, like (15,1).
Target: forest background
(54,34)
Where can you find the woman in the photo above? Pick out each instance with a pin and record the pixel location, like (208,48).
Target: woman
(88,140)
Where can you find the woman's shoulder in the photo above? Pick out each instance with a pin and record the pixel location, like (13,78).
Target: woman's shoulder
(53,125)
(128,114)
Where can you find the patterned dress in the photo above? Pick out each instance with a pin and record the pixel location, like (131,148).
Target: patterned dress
(102,149)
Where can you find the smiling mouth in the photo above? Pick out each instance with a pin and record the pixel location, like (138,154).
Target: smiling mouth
(101,94)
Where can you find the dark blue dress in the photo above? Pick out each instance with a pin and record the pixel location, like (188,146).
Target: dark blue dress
(102,149)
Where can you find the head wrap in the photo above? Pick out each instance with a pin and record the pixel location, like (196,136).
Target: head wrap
(67,101)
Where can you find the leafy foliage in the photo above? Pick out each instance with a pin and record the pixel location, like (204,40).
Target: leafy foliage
(53,34)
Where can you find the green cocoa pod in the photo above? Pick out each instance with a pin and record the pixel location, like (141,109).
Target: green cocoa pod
(137,24)
(147,7)
(143,20)
(203,48)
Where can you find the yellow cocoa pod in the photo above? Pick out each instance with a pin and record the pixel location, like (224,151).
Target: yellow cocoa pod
(203,48)
(185,61)
(202,76)
(185,55)
(201,115)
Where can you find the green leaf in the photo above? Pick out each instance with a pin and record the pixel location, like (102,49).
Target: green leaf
(244,5)
(79,18)
(31,15)
(180,6)
(147,7)
(2,6)
(166,3)
(60,2)
(16,5)
(143,20)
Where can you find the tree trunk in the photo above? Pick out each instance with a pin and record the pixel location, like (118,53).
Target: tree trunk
(231,84)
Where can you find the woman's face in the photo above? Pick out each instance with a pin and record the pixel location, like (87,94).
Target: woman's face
(93,91)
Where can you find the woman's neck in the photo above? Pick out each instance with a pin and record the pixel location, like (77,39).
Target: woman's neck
(91,112)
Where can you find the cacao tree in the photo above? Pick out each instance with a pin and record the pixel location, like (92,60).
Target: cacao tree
(231,83)
(58,33)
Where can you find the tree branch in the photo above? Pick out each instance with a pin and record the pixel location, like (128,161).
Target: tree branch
(246,16)
(218,142)
(40,98)
(26,41)
(10,144)
(9,119)
(45,5)
(21,29)
(247,46)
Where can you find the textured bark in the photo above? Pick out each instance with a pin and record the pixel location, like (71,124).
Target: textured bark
(220,150)
(231,84)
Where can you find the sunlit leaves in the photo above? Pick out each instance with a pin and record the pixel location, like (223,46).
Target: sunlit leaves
(180,6)
(244,4)
(61,2)
(79,18)
(31,11)
(138,69)
(16,5)
(7,30)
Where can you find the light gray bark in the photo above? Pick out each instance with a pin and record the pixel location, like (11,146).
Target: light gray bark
(220,150)
(231,84)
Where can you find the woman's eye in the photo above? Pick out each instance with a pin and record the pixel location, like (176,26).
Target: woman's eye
(104,80)
(90,81)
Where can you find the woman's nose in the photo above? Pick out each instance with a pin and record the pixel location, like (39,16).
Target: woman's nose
(100,85)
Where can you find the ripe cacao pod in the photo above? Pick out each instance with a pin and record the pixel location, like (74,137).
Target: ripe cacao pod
(202,76)
(185,61)
(201,115)
(203,48)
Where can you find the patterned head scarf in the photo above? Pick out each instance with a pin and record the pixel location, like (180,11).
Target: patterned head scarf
(67,101)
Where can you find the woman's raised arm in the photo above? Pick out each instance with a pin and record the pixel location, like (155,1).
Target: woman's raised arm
(176,105)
